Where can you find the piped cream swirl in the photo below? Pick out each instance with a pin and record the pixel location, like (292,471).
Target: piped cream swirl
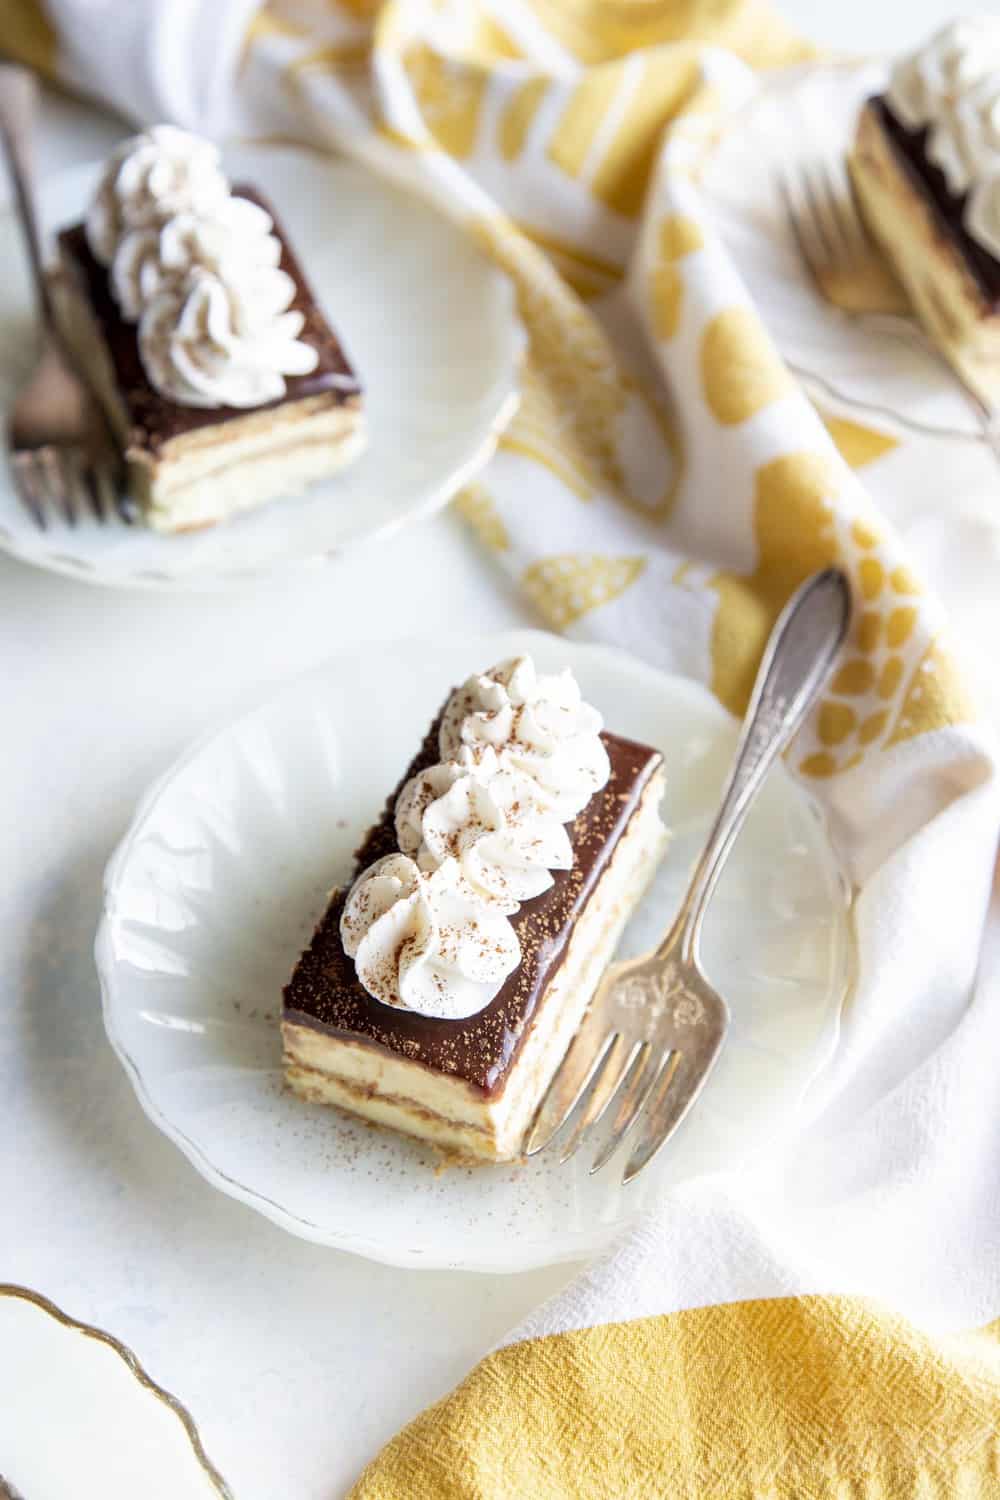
(538,725)
(489,818)
(479,834)
(198,270)
(965,143)
(212,342)
(149,178)
(234,243)
(951,87)
(419,943)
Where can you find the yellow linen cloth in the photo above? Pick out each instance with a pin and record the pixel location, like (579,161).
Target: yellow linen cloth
(665,486)
(787,1398)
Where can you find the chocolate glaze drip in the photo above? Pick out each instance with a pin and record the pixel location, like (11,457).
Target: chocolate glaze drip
(325,994)
(153,420)
(948,207)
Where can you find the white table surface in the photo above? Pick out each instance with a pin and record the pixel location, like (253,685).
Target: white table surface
(297,1362)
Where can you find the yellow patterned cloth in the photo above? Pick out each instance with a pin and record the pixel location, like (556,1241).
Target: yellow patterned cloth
(665,486)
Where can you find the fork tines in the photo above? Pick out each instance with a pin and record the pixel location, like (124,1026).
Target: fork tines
(819,202)
(577,1101)
(66,480)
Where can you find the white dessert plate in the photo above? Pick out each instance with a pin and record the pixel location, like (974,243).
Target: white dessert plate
(80,1416)
(804,112)
(427,321)
(217,887)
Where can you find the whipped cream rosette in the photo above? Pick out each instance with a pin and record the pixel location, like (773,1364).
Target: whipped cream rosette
(216,342)
(923,83)
(198,270)
(149,178)
(479,833)
(539,725)
(490,818)
(965,141)
(951,87)
(232,243)
(417,940)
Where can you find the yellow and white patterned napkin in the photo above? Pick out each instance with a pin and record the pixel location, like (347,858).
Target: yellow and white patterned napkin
(665,486)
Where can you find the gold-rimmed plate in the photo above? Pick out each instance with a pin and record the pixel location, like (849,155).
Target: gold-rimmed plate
(79,1415)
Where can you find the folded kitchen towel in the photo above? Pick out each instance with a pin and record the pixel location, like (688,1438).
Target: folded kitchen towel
(821,1324)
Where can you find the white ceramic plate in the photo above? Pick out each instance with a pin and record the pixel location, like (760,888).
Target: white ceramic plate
(805,112)
(428,322)
(226,869)
(80,1416)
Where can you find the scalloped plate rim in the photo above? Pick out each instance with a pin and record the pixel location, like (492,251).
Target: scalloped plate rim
(587,1242)
(18,1291)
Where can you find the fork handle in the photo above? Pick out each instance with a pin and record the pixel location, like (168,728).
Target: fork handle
(797,661)
(18,103)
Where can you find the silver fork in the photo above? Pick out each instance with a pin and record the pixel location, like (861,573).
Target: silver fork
(841,255)
(62,452)
(655,1026)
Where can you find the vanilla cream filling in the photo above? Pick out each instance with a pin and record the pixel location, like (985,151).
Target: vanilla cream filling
(247,475)
(217,471)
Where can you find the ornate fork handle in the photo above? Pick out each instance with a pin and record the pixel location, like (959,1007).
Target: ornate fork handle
(796,663)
